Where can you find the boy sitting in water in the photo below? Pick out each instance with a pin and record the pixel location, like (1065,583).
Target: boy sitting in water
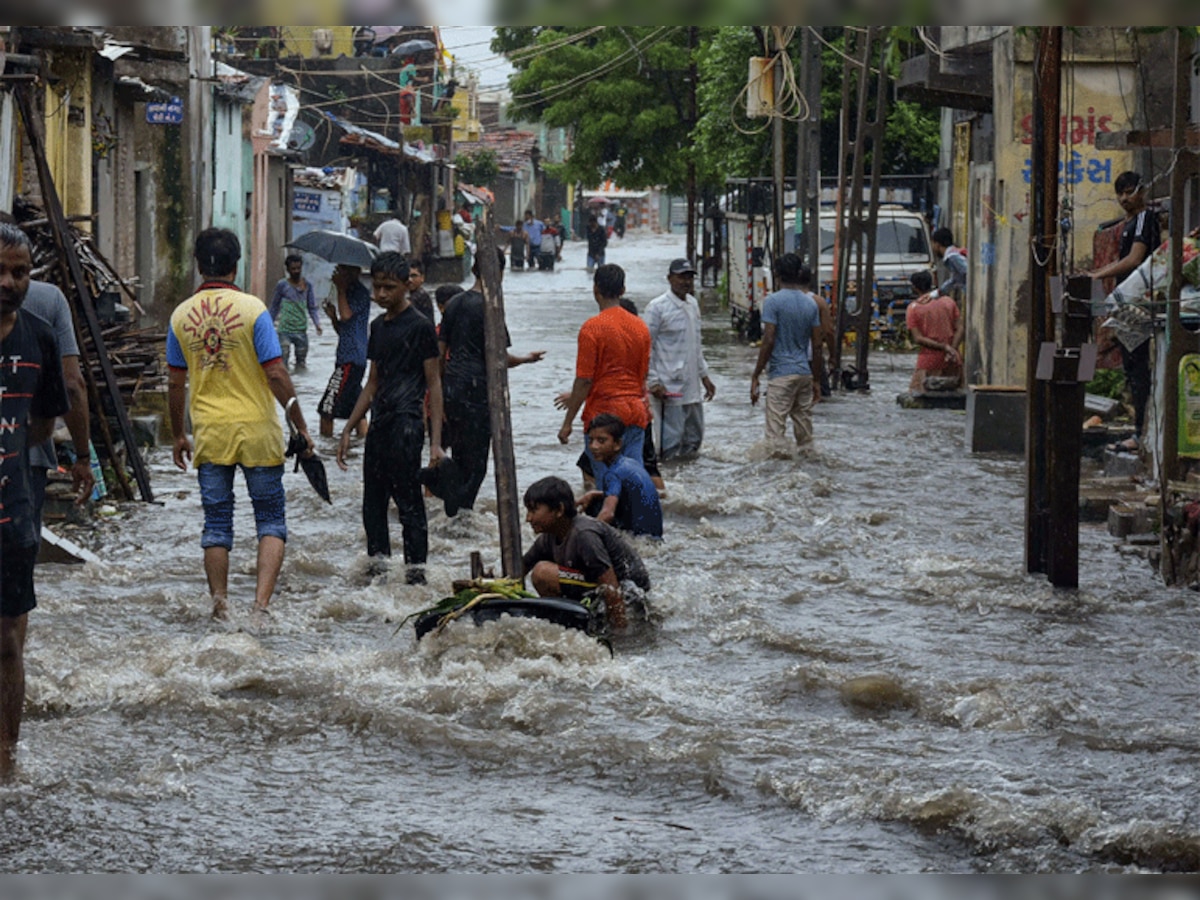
(627,499)
(574,554)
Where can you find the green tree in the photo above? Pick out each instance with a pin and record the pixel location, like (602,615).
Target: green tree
(730,144)
(621,90)
(478,167)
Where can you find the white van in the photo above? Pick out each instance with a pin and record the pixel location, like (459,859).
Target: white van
(902,247)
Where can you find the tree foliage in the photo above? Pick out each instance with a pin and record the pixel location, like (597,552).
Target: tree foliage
(622,91)
(479,167)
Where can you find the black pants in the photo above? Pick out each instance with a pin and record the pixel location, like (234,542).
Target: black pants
(468,434)
(391,471)
(1137,378)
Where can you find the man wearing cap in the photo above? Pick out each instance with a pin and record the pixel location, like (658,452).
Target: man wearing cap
(678,370)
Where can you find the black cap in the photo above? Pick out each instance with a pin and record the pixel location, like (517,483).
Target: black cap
(682,267)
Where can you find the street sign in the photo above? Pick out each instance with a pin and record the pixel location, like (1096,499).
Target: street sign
(169,113)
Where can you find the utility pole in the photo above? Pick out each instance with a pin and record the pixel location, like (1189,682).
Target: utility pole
(777,58)
(1047,62)
(508,507)
(841,225)
(693,42)
(808,157)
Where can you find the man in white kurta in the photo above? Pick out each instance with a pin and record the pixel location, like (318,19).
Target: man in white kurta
(678,379)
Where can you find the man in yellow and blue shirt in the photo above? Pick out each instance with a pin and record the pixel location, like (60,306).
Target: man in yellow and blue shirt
(223,344)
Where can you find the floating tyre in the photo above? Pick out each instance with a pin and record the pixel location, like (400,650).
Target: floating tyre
(567,613)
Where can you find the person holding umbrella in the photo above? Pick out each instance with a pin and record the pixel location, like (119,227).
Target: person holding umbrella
(222,343)
(349,317)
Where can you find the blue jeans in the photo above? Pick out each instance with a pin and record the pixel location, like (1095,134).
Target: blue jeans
(265,484)
(631,446)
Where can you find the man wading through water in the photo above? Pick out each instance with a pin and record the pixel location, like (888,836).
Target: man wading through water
(32,395)
(223,345)
(464,373)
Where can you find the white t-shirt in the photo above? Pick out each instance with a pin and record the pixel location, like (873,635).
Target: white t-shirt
(393,235)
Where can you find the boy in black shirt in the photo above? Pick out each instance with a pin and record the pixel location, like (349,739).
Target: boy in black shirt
(403,352)
(32,394)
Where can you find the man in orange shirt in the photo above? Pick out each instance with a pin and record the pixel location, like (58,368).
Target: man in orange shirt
(610,369)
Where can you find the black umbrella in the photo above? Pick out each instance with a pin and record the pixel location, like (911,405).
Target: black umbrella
(311,463)
(336,248)
(408,48)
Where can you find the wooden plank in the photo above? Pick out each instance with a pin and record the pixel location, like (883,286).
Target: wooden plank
(83,300)
(508,506)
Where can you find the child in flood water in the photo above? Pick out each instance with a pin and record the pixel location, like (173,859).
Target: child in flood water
(575,555)
(403,353)
(627,499)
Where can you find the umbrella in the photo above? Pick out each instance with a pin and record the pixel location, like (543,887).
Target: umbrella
(336,248)
(597,201)
(407,48)
(385,32)
(312,465)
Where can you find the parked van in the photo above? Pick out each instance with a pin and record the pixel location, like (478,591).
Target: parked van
(902,246)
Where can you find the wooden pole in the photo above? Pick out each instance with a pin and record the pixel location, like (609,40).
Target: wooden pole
(777,57)
(508,505)
(841,250)
(82,296)
(1176,542)
(873,130)
(1047,62)
(693,43)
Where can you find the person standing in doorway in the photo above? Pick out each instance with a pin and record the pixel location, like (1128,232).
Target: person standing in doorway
(292,305)
(350,318)
(1139,237)
(221,344)
(32,394)
(791,323)
(678,377)
(392,236)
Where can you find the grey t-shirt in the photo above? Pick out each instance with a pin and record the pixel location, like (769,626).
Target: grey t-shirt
(47,302)
(591,549)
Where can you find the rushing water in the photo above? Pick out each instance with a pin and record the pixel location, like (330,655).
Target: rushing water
(851,671)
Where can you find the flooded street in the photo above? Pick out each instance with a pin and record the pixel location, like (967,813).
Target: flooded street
(852,673)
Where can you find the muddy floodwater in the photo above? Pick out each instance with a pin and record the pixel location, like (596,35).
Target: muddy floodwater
(851,671)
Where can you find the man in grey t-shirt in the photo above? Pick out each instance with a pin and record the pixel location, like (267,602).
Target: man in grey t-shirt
(791,325)
(48,303)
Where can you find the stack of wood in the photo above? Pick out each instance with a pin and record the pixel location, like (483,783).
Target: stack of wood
(136,354)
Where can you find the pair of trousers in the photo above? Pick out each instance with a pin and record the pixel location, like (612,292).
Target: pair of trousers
(682,429)
(391,472)
(265,485)
(297,339)
(468,434)
(1136,364)
(790,396)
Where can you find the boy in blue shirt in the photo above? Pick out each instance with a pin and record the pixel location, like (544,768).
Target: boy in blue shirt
(627,497)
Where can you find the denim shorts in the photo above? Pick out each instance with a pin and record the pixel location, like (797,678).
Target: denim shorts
(265,484)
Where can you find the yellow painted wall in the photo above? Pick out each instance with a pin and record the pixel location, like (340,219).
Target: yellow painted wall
(465,128)
(1099,94)
(68,120)
(298,39)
